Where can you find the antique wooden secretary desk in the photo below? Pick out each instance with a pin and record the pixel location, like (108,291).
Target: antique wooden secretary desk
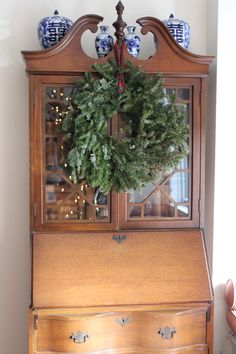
(126,273)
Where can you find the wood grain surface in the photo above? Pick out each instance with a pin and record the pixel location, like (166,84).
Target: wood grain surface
(94,270)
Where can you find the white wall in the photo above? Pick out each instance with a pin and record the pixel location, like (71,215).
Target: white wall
(224,260)
(18,22)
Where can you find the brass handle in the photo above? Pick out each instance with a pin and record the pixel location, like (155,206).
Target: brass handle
(119,238)
(123,321)
(167,332)
(79,337)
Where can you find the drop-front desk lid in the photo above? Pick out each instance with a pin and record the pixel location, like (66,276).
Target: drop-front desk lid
(99,269)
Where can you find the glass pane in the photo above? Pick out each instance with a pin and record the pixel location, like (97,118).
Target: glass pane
(51,153)
(182,211)
(161,199)
(53,178)
(139,196)
(183,108)
(101,213)
(135,211)
(159,205)
(65,201)
(153,206)
(170,91)
(183,94)
(184,164)
(178,186)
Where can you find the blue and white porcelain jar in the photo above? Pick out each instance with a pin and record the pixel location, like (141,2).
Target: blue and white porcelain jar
(103,42)
(132,41)
(179,29)
(52,29)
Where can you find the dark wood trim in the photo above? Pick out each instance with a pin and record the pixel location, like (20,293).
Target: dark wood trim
(63,57)
(210,329)
(31,153)
(202,150)
(196,132)
(119,24)
(154,25)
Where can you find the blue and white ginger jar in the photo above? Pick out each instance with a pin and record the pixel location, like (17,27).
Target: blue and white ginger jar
(179,29)
(132,41)
(52,29)
(103,42)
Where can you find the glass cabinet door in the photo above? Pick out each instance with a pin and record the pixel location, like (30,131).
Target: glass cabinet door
(167,201)
(59,204)
(62,201)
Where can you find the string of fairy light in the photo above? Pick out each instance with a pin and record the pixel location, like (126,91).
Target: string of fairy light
(59,104)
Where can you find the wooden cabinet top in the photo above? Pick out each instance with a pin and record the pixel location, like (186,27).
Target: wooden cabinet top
(68,55)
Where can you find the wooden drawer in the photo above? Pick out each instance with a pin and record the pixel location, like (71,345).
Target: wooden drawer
(120,332)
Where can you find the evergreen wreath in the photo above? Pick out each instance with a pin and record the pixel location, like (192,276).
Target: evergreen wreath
(153,136)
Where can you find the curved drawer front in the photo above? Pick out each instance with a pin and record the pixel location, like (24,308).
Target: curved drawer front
(148,330)
(78,334)
(174,329)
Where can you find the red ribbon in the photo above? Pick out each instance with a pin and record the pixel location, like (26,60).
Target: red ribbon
(119,55)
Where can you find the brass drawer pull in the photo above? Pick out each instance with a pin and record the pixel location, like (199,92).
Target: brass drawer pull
(123,321)
(167,332)
(79,337)
(119,238)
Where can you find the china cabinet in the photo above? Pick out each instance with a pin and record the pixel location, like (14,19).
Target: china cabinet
(124,272)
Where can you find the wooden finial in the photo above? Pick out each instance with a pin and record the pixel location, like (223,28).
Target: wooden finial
(119,24)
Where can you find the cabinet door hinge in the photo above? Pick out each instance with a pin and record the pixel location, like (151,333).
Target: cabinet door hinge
(35,322)
(208,314)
